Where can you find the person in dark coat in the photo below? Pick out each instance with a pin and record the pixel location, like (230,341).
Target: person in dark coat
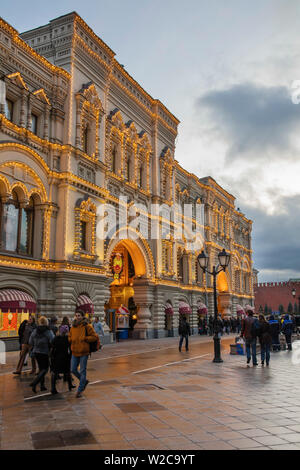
(287,329)
(60,359)
(275,330)
(24,336)
(41,339)
(184,332)
(265,339)
(52,324)
(250,337)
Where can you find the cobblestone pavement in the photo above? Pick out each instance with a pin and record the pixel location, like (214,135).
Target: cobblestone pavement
(147,395)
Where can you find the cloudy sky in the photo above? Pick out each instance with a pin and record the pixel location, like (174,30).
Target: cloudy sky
(225,68)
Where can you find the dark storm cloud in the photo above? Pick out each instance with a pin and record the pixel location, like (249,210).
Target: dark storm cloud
(254,120)
(276,238)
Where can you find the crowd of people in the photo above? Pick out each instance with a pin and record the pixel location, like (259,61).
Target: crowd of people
(225,325)
(268,333)
(63,348)
(253,328)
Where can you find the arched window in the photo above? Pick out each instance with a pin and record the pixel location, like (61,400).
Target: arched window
(17,224)
(140,177)
(85,230)
(85,139)
(114,160)
(127,169)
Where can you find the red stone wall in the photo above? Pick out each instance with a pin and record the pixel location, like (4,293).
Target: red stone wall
(276,293)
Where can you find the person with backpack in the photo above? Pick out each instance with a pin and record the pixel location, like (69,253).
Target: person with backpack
(40,340)
(81,335)
(265,339)
(275,330)
(60,359)
(287,330)
(249,332)
(184,332)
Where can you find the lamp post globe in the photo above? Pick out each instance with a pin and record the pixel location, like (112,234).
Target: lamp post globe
(224,259)
(203,261)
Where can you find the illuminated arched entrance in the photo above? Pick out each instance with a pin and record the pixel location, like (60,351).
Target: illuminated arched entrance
(127,264)
(224,297)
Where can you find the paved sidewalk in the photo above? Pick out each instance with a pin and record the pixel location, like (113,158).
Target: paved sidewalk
(180,402)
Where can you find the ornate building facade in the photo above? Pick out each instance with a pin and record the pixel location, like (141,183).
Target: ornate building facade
(79,137)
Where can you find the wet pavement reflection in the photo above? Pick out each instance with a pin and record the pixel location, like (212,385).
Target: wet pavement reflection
(148,395)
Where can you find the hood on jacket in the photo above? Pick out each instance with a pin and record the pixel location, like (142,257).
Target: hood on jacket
(41,329)
(82,321)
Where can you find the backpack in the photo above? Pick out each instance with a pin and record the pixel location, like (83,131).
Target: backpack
(255,328)
(95,345)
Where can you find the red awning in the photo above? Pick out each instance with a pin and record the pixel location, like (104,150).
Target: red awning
(202,309)
(184,308)
(169,309)
(13,299)
(85,304)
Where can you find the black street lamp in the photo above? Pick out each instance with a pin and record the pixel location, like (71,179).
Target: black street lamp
(224,259)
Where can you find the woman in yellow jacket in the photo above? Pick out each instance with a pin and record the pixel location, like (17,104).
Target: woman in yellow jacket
(81,334)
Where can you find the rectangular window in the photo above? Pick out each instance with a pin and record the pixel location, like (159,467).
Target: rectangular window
(83,235)
(34,123)
(9,107)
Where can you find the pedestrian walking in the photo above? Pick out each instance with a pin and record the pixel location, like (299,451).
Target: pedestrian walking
(53,324)
(24,336)
(60,359)
(81,334)
(287,330)
(184,332)
(265,340)
(275,330)
(248,333)
(40,340)
(98,327)
(66,321)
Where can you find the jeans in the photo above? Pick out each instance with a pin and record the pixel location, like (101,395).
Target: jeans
(186,342)
(251,344)
(265,352)
(81,376)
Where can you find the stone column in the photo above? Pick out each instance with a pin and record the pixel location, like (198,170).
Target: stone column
(29,121)
(46,122)
(23,109)
(78,122)
(143,298)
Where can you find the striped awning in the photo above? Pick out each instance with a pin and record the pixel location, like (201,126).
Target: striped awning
(202,309)
(184,308)
(169,309)
(123,310)
(249,307)
(14,299)
(239,310)
(85,304)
